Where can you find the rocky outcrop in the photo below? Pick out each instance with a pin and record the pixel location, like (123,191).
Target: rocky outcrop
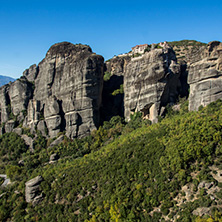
(14,99)
(20,92)
(28,141)
(31,73)
(57,141)
(32,191)
(68,90)
(42,128)
(53,157)
(9,126)
(151,81)
(205,76)
(117,64)
(4,103)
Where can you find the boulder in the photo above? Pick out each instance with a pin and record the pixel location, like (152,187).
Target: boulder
(28,141)
(54,157)
(201,211)
(32,192)
(17,131)
(42,128)
(57,141)
(9,126)
(204,76)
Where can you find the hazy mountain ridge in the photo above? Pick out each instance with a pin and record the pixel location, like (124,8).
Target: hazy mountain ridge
(5,80)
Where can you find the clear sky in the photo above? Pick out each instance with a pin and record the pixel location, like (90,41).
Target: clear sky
(29,28)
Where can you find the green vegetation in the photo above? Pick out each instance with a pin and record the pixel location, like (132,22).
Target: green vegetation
(186,43)
(118,91)
(121,172)
(136,55)
(107,76)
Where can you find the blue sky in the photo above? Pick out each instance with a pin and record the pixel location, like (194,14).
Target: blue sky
(29,28)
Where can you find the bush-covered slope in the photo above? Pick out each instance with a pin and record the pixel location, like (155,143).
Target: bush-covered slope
(132,172)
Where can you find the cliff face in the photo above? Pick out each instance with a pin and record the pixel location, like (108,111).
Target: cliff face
(151,81)
(68,90)
(62,93)
(65,92)
(204,77)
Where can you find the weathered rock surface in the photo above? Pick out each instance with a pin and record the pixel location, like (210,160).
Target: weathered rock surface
(54,157)
(204,77)
(68,90)
(57,141)
(42,128)
(4,102)
(31,73)
(117,65)
(150,82)
(17,131)
(9,126)
(201,211)
(32,192)
(33,115)
(28,141)
(20,92)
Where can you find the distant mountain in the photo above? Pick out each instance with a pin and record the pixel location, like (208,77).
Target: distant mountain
(5,79)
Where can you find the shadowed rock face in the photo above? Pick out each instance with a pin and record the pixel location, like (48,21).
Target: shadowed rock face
(151,81)
(68,90)
(205,76)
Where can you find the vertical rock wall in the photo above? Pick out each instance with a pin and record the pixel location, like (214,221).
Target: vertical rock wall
(205,76)
(150,82)
(68,88)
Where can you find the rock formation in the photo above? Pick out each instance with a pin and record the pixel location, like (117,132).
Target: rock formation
(20,92)
(68,90)
(4,103)
(32,191)
(151,81)
(204,78)
(65,93)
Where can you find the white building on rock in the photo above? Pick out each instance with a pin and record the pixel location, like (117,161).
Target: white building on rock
(139,48)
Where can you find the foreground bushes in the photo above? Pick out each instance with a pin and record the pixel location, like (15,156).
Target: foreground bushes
(121,172)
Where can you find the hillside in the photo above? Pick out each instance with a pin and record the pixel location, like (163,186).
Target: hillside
(122,172)
(5,79)
(137,138)
(185,47)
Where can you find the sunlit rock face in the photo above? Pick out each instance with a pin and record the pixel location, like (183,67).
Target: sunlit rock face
(205,76)
(151,81)
(68,88)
